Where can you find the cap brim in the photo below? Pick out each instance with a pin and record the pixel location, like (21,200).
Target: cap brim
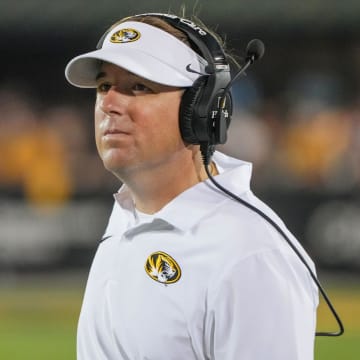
(82,70)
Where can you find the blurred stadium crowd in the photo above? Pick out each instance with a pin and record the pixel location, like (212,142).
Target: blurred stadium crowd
(46,154)
(309,140)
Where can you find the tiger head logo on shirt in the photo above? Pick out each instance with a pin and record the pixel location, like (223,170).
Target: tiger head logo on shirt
(163,268)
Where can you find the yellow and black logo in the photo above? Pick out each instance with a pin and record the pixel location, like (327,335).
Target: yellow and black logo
(163,268)
(125,36)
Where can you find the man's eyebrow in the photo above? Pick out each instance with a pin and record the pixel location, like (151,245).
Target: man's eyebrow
(100,75)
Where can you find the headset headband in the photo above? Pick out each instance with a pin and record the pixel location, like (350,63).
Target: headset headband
(203,39)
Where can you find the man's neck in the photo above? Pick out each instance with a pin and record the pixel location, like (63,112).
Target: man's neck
(153,188)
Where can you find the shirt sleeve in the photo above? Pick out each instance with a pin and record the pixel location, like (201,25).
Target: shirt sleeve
(263,307)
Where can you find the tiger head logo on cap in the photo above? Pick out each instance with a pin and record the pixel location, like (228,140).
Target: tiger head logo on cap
(125,36)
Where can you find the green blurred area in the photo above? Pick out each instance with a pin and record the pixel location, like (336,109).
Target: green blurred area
(38,319)
(345,296)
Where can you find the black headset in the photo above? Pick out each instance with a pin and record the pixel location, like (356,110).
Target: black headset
(205,110)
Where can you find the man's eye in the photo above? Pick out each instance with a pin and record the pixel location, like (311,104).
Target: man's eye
(103,87)
(138,87)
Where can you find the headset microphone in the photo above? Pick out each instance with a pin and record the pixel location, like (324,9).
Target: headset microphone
(254,51)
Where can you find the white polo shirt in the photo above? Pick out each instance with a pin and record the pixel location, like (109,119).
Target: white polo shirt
(204,278)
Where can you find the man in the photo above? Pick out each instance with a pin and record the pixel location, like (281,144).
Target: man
(183,271)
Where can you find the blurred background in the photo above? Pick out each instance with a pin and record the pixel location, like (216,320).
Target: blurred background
(296,118)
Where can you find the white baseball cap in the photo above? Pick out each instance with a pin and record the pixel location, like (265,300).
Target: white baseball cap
(144,50)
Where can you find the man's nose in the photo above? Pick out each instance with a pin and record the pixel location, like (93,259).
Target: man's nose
(114,102)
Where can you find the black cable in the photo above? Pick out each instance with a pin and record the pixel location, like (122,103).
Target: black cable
(207,152)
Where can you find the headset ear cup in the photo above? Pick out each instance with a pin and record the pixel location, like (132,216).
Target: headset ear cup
(189,101)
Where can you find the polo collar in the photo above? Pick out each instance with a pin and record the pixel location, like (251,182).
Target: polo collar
(195,203)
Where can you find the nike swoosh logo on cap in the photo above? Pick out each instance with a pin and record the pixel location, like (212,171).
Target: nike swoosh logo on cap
(189,69)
